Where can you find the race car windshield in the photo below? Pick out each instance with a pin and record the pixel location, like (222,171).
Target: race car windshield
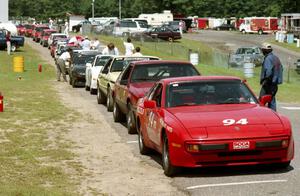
(208,93)
(157,72)
(80,59)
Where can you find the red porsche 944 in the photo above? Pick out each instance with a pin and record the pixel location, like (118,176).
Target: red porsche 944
(211,121)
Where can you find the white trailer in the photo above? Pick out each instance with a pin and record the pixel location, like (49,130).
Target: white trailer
(157,19)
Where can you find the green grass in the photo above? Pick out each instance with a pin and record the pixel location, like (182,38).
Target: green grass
(292,46)
(288,92)
(33,155)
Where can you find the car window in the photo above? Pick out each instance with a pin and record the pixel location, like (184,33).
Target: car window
(156,72)
(209,92)
(132,25)
(126,73)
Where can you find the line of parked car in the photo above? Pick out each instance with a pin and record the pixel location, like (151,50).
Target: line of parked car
(192,120)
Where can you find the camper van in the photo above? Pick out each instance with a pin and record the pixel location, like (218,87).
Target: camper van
(157,19)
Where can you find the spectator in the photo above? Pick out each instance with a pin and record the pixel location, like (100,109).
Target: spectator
(95,44)
(129,47)
(8,42)
(61,64)
(137,52)
(86,43)
(110,49)
(50,23)
(66,28)
(271,75)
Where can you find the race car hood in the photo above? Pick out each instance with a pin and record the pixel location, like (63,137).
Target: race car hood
(139,89)
(228,121)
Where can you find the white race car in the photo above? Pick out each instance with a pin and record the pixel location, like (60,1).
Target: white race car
(92,71)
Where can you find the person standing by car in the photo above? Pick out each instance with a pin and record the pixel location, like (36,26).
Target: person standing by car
(95,44)
(110,49)
(8,42)
(129,47)
(66,28)
(86,43)
(61,64)
(271,75)
(137,52)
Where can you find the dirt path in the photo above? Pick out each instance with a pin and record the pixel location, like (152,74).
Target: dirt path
(109,166)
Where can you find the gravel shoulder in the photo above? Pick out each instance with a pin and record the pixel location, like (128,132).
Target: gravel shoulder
(109,166)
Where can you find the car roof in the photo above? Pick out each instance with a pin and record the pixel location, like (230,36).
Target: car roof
(89,52)
(135,57)
(161,62)
(198,78)
(58,34)
(50,30)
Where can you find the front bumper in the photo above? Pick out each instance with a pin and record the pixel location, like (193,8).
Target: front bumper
(229,157)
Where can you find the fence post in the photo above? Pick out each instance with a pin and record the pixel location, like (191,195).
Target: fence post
(289,68)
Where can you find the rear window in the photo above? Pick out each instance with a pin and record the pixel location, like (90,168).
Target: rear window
(157,72)
(82,59)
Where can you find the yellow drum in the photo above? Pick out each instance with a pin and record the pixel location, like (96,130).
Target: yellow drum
(18,64)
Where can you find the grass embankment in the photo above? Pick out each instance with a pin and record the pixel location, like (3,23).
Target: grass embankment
(288,92)
(292,47)
(33,154)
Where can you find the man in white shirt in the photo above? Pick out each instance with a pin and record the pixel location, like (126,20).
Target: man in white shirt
(86,44)
(129,47)
(61,64)
(110,49)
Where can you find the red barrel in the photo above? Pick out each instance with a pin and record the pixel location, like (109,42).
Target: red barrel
(1,103)
(40,68)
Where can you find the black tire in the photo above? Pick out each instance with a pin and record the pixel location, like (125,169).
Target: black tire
(93,91)
(100,97)
(218,29)
(142,147)
(130,120)
(117,114)
(13,48)
(230,29)
(169,169)
(260,32)
(87,88)
(70,81)
(109,101)
(74,83)
(243,31)
(170,39)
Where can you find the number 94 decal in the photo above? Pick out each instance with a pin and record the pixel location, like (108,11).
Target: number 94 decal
(228,122)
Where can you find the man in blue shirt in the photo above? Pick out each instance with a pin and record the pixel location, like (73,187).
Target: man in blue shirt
(271,74)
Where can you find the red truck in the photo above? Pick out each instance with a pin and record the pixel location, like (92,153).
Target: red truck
(259,25)
(36,33)
(45,35)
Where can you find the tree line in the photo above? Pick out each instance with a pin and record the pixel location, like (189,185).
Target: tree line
(44,9)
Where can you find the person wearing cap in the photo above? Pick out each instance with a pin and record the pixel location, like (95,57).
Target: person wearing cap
(86,43)
(271,74)
(61,64)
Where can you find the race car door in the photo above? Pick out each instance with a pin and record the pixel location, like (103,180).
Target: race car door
(153,116)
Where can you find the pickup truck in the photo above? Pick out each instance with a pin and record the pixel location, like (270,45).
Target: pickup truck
(16,41)
(243,54)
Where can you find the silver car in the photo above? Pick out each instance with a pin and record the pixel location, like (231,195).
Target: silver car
(246,54)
